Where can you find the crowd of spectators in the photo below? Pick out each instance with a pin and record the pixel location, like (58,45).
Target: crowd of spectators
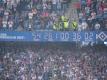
(25,15)
(53,63)
(93,14)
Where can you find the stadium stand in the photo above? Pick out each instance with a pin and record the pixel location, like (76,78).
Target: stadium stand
(53,40)
(44,61)
(31,15)
(92,14)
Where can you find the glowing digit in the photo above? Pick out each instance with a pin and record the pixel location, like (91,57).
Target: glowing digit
(74,36)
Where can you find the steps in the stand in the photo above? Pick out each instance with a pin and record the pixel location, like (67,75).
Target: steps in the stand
(72,12)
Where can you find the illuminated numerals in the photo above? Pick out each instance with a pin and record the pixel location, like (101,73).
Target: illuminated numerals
(37,37)
(65,36)
(76,36)
(88,36)
(48,36)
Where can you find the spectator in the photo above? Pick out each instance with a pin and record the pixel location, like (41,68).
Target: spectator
(55,8)
(89,3)
(97,26)
(10,24)
(30,15)
(79,27)
(4,23)
(84,25)
(54,5)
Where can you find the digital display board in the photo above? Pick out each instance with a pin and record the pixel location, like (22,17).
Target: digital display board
(52,36)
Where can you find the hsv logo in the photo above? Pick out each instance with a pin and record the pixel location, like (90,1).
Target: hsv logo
(102,36)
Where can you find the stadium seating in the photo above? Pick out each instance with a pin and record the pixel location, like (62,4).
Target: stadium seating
(32,15)
(93,12)
(52,62)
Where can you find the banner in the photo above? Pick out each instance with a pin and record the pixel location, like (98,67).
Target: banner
(15,36)
(55,36)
